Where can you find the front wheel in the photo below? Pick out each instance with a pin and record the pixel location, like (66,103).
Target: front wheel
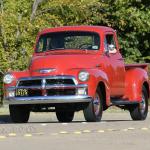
(93,112)
(140,111)
(19,113)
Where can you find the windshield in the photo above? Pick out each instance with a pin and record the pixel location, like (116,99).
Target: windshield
(68,40)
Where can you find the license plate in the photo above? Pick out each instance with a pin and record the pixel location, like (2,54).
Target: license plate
(21,92)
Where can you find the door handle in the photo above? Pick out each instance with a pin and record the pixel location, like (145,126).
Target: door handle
(98,66)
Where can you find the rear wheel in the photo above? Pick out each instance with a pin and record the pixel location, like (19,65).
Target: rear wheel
(93,113)
(139,111)
(65,116)
(19,113)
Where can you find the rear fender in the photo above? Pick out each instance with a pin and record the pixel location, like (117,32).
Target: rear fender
(135,78)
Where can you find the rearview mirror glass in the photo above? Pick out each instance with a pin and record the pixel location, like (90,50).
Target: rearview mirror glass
(112,49)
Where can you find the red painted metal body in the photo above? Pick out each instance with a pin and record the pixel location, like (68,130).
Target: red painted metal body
(120,80)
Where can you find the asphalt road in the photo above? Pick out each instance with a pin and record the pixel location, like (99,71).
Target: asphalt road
(116,131)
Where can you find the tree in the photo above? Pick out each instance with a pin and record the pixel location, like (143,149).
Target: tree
(21,20)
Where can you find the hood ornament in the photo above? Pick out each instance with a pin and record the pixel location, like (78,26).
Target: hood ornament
(46,70)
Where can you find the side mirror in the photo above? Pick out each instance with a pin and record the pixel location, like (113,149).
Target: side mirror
(112,49)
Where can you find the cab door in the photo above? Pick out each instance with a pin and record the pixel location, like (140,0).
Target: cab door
(116,71)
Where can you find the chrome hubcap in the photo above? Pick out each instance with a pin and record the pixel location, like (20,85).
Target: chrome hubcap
(96,103)
(143,105)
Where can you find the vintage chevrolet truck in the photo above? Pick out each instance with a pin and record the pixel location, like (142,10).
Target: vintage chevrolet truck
(77,68)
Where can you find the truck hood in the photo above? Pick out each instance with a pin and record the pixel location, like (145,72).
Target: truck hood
(62,64)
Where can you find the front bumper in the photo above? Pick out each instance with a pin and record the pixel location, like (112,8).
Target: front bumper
(49,99)
(46,84)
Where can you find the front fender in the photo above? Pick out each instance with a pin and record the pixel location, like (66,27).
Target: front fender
(134,81)
(97,76)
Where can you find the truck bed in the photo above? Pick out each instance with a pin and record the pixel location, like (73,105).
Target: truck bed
(131,66)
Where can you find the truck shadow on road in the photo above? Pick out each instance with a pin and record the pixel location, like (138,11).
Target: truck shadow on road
(5,119)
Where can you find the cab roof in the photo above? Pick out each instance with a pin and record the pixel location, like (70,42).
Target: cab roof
(78,28)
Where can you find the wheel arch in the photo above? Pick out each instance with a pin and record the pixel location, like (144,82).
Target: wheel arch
(102,87)
(136,78)
(146,85)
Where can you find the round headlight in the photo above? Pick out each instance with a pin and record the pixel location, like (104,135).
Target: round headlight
(83,76)
(8,78)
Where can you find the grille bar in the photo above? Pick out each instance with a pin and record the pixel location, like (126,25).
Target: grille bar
(53,87)
(43,81)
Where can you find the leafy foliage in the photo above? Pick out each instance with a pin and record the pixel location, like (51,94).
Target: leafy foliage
(21,20)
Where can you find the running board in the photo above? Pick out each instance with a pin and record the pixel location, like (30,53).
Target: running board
(119,102)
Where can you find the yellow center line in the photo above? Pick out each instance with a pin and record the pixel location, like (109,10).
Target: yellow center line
(54,133)
(86,131)
(100,131)
(28,135)
(144,128)
(63,132)
(12,134)
(77,132)
(2,137)
(39,133)
(131,128)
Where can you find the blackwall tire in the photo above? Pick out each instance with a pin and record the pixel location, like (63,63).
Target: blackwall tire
(140,111)
(19,113)
(93,113)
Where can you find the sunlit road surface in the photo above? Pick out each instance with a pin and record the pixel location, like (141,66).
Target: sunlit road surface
(116,131)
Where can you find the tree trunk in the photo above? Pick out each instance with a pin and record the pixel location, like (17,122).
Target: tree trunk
(34,8)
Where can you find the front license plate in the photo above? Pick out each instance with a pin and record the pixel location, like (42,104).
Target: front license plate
(21,92)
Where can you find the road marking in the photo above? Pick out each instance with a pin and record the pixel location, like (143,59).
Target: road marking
(84,122)
(130,128)
(144,128)
(86,131)
(112,130)
(63,132)
(12,134)
(64,124)
(39,133)
(2,137)
(100,131)
(77,132)
(27,135)
(43,124)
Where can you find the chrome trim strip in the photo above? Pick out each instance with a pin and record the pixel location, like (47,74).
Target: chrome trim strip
(63,86)
(57,86)
(48,77)
(49,99)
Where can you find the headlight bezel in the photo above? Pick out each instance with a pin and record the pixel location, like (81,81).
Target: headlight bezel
(83,76)
(8,78)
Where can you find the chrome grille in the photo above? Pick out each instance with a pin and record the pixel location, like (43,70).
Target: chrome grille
(48,86)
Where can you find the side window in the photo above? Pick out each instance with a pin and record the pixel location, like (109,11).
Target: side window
(109,41)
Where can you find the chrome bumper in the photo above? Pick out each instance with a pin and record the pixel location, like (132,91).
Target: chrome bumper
(49,99)
(44,85)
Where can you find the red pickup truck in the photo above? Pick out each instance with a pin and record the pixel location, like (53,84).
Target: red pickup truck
(77,68)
